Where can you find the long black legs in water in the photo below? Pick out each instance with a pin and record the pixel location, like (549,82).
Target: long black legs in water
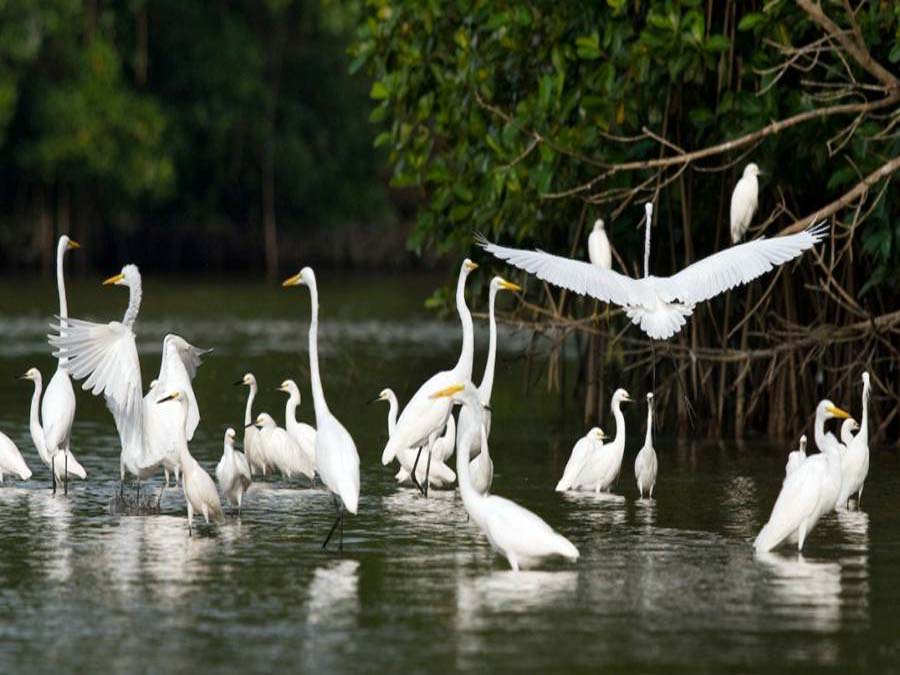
(339,520)
(412,474)
(66,475)
(53,472)
(427,471)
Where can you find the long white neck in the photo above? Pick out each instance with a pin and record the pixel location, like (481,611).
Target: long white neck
(648,441)
(471,498)
(392,413)
(228,450)
(61,283)
(318,395)
(487,381)
(290,409)
(248,411)
(819,431)
(464,365)
(134,303)
(863,432)
(620,423)
(34,426)
(648,208)
(184,454)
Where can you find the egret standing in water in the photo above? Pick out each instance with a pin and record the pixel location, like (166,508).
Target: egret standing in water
(233,472)
(855,460)
(281,450)
(252,448)
(591,442)
(744,201)
(645,464)
(11,460)
(303,434)
(514,532)
(337,461)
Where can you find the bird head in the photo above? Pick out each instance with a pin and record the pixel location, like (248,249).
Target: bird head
(289,387)
(468,266)
(129,276)
(752,170)
(229,435)
(622,396)
(68,244)
(303,278)
(803,443)
(263,420)
(598,224)
(830,410)
(32,374)
(597,434)
(384,395)
(248,380)
(501,284)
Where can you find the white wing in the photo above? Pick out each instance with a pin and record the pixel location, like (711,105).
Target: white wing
(796,503)
(178,367)
(243,468)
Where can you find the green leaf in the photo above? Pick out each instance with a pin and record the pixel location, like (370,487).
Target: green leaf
(379,91)
(751,21)
(588,48)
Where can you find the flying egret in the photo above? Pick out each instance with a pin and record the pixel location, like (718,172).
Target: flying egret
(514,532)
(661,305)
(482,467)
(199,490)
(599,250)
(281,451)
(591,442)
(424,417)
(439,474)
(251,434)
(645,464)
(58,403)
(602,465)
(808,492)
(233,472)
(796,457)
(303,434)
(337,461)
(855,460)
(744,201)
(62,463)
(11,460)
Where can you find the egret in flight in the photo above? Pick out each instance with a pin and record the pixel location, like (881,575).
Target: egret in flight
(251,434)
(233,472)
(303,434)
(645,464)
(744,201)
(661,305)
(514,532)
(337,461)
(11,460)
(855,460)
(796,457)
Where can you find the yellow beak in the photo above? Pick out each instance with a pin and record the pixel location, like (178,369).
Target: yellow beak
(838,412)
(509,286)
(73,244)
(295,280)
(114,280)
(449,391)
(471,265)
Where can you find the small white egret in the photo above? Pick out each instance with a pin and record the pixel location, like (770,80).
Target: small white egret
(744,201)
(441,451)
(603,464)
(303,434)
(645,464)
(337,461)
(808,492)
(796,457)
(514,532)
(599,250)
(280,450)
(252,449)
(591,442)
(233,472)
(848,429)
(199,490)
(11,460)
(62,463)
(855,460)
(661,305)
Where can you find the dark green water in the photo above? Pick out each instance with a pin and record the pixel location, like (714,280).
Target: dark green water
(664,586)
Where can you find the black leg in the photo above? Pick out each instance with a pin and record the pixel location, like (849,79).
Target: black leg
(427,471)
(341,544)
(337,521)
(66,476)
(412,473)
(53,472)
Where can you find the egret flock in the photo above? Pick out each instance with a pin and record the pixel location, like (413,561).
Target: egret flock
(156,427)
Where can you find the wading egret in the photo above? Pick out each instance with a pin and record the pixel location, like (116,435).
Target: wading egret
(591,442)
(441,451)
(661,305)
(603,464)
(514,532)
(62,463)
(645,464)
(233,472)
(848,430)
(599,250)
(808,492)
(439,474)
(281,451)
(303,434)
(744,201)
(482,467)
(11,460)
(855,460)
(252,449)
(199,490)
(337,461)
(424,417)
(796,457)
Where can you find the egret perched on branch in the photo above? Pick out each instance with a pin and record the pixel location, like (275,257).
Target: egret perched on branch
(645,464)
(855,460)
(303,434)
(233,472)
(11,460)
(251,434)
(744,201)
(599,251)
(661,305)
(796,457)
(514,532)
(337,461)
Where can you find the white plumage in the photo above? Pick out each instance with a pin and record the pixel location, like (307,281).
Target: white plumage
(252,448)
(646,463)
(591,442)
(796,457)
(602,464)
(233,471)
(11,460)
(744,200)
(599,250)
(304,435)
(281,451)
(855,460)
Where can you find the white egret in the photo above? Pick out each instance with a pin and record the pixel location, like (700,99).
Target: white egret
(303,434)
(591,442)
(482,467)
(808,492)
(199,490)
(855,460)
(602,466)
(11,460)
(337,461)
(280,450)
(251,434)
(646,463)
(233,472)
(661,305)
(61,462)
(848,429)
(796,457)
(599,250)
(424,417)
(514,532)
(441,451)
(439,474)
(58,403)
(744,200)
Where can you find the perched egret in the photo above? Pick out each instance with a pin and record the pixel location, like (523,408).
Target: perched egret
(233,472)
(303,434)
(744,201)
(514,532)
(11,460)
(439,474)
(199,490)
(661,305)
(62,463)
(855,460)
(599,251)
(809,491)
(337,461)
(590,443)
(281,451)
(482,467)
(603,464)
(796,457)
(848,429)
(645,464)
(424,417)
(252,448)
